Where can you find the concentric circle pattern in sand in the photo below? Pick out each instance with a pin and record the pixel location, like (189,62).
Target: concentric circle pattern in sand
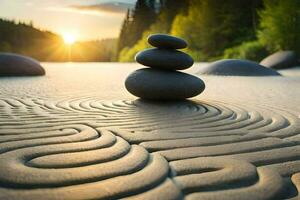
(89,149)
(82,147)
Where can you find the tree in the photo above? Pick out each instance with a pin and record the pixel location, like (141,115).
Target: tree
(136,22)
(122,42)
(143,16)
(280,25)
(167,11)
(211,26)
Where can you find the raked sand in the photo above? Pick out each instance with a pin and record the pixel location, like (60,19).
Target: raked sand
(76,133)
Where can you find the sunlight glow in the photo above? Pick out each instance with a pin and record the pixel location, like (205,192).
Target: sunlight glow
(69,38)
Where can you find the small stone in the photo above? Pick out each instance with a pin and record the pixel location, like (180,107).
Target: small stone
(17,65)
(163,85)
(281,60)
(164,59)
(235,67)
(167,41)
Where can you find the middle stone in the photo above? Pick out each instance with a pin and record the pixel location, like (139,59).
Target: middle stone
(164,59)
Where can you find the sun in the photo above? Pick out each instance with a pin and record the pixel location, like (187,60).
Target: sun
(69,38)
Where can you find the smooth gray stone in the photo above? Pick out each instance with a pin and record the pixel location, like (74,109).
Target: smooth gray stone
(281,60)
(164,59)
(163,85)
(235,67)
(167,41)
(18,65)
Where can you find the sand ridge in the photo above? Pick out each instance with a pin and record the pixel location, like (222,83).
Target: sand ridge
(89,143)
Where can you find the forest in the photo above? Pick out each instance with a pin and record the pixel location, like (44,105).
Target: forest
(214,29)
(25,39)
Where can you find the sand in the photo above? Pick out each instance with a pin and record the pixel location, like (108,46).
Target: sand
(76,133)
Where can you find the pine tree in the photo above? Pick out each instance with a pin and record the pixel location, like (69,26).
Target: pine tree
(122,42)
(136,22)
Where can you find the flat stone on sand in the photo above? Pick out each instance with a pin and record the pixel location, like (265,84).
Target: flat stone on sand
(163,85)
(166,41)
(18,65)
(235,67)
(164,59)
(281,60)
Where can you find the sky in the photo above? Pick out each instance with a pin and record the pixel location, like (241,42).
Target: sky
(84,19)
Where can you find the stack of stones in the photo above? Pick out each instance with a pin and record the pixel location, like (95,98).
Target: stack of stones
(162,81)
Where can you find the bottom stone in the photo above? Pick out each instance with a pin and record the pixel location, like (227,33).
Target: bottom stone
(163,84)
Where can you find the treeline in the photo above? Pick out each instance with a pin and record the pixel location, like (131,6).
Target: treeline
(214,29)
(23,38)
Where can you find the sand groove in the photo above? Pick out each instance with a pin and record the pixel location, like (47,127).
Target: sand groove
(84,148)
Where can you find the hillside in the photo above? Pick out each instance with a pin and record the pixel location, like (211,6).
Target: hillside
(42,45)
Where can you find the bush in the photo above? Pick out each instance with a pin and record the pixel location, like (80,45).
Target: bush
(128,54)
(280,25)
(252,50)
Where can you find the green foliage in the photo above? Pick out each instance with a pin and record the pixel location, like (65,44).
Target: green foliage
(136,22)
(252,50)
(124,33)
(211,26)
(128,54)
(169,9)
(280,25)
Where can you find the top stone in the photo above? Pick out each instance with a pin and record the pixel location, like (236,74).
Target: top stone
(165,41)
